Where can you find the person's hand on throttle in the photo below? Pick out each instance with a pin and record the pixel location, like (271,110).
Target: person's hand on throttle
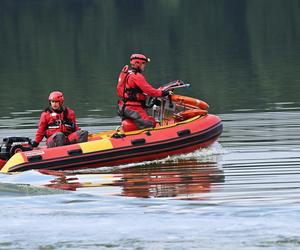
(167,92)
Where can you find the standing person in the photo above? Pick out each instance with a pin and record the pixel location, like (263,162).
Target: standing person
(58,124)
(133,89)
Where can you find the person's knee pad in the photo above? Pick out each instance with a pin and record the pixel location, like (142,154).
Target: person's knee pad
(82,135)
(58,139)
(78,136)
(59,136)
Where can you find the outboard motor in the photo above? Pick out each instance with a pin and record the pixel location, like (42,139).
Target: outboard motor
(12,145)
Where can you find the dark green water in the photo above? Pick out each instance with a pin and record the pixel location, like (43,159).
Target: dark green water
(237,54)
(242,57)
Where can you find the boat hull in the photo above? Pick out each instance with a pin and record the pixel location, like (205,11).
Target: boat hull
(146,145)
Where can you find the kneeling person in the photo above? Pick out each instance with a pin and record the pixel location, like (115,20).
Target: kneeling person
(58,124)
(133,90)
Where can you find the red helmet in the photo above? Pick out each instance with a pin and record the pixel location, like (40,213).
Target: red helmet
(56,96)
(137,59)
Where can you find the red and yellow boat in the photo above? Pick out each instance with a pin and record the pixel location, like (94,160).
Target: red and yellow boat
(184,125)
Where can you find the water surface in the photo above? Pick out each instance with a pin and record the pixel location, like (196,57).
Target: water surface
(242,57)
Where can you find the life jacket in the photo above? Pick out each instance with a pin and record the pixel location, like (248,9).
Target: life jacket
(64,125)
(124,92)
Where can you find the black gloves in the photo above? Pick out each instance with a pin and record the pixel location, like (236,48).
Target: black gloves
(34,144)
(166,92)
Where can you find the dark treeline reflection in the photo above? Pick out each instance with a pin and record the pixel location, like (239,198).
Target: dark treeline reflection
(237,54)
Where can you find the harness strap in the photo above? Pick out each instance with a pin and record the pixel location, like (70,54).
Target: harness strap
(57,123)
(131,93)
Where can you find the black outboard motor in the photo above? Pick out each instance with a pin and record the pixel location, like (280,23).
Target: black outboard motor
(12,145)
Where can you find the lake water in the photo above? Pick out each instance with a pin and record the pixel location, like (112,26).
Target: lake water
(242,57)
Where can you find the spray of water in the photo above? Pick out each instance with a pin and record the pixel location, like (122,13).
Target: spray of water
(210,153)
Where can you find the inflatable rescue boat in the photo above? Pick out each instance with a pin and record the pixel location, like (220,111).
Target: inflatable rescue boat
(184,125)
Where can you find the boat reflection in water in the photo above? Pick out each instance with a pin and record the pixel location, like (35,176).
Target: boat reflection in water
(183,179)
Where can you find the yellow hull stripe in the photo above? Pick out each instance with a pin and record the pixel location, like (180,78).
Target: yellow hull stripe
(98,145)
(15,160)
